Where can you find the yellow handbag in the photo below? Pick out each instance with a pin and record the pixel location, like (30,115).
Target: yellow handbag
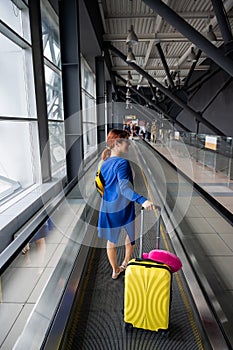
(99,180)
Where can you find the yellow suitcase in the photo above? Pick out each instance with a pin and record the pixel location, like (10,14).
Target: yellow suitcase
(147,295)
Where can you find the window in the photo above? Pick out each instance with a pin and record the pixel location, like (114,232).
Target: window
(50,32)
(51,46)
(16,84)
(19,144)
(89,110)
(16,17)
(19,157)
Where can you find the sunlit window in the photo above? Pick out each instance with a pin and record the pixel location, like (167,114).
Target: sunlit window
(89,110)
(16,84)
(19,143)
(19,157)
(16,16)
(51,47)
(50,33)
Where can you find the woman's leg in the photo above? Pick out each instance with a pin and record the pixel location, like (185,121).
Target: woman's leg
(129,248)
(112,257)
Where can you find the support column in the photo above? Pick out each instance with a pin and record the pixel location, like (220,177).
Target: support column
(100,101)
(109,105)
(71,79)
(39,78)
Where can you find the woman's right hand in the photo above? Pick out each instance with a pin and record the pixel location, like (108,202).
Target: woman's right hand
(148,205)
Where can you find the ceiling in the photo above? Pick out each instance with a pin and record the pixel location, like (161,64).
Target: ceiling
(165,76)
(159,43)
(152,30)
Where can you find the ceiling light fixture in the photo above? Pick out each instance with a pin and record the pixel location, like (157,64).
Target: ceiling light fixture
(210,34)
(128,84)
(130,57)
(128,94)
(192,56)
(129,75)
(132,38)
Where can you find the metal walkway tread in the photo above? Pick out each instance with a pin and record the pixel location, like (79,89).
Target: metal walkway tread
(97,323)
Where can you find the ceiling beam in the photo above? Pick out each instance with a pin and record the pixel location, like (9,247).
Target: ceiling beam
(162,37)
(160,68)
(194,36)
(196,115)
(228,4)
(198,55)
(165,65)
(158,24)
(186,15)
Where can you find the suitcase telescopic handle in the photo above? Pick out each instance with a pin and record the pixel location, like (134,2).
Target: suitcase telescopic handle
(157,230)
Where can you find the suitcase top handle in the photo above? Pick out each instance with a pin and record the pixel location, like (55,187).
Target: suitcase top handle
(157,231)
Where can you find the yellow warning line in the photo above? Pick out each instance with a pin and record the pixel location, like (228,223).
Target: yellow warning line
(178,279)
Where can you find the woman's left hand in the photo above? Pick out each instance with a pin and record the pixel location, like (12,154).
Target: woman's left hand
(148,205)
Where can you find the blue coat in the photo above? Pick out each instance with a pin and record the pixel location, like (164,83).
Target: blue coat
(117,208)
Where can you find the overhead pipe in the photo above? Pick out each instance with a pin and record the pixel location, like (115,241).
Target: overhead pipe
(193,35)
(167,92)
(165,65)
(198,55)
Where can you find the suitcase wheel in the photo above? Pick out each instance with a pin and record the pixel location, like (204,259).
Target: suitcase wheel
(128,326)
(165,333)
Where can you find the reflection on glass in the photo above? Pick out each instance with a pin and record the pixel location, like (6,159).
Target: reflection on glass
(16,17)
(89,110)
(50,32)
(19,156)
(54,94)
(16,78)
(89,124)
(57,148)
(212,151)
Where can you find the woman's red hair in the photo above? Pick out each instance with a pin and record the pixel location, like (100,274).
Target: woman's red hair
(113,136)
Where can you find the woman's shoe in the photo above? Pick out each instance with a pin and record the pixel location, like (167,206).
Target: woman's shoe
(115,275)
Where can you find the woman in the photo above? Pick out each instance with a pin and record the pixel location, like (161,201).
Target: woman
(117,206)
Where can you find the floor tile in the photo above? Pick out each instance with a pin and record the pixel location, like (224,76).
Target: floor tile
(193,212)
(14,279)
(17,328)
(212,244)
(228,239)
(199,225)
(41,283)
(9,313)
(220,225)
(207,211)
(224,264)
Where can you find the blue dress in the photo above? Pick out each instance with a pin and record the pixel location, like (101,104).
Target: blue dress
(117,208)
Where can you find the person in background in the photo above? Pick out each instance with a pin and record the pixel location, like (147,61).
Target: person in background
(126,127)
(148,131)
(117,208)
(153,132)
